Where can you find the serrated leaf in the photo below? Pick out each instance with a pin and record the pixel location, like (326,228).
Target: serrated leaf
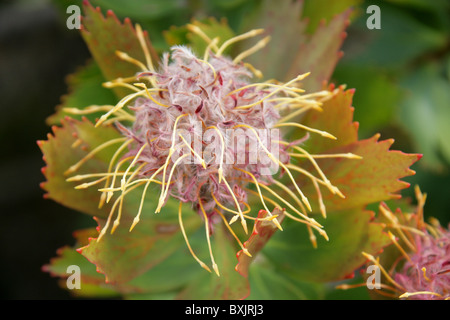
(317,53)
(350,233)
(62,150)
(124,255)
(317,11)
(375,177)
(104,36)
(92,283)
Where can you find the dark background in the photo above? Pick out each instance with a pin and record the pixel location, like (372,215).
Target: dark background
(37,52)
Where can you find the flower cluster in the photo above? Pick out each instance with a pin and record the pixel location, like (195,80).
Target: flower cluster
(422,271)
(209,136)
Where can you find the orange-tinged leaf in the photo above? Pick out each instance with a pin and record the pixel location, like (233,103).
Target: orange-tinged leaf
(68,145)
(376,177)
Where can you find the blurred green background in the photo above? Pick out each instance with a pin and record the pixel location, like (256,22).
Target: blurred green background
(401,73)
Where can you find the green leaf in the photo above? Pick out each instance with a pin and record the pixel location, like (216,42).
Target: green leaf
(85,89)
(400,41)
(350,233)
(230,285)
(424,114)
(106,35)
(66,147)
(142,9)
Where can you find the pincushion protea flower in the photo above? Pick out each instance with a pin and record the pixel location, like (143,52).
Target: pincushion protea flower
(422,271)
(199,128)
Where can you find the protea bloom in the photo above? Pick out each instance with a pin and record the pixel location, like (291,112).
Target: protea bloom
(422,271)
(209,136)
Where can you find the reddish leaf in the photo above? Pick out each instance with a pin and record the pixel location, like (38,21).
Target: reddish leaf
(262,232)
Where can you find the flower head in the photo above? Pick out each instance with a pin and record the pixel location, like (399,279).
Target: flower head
(422,270)
(202,130)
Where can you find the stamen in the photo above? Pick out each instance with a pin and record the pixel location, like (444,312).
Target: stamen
(171,151)
(89,184)
(202,161)
(214,265)
(111,163)
(171,173)
(180,219)
(142,85)
(292,115)
(208,48)
(424,271)
(245,250)
(307,220)
(125,57)
(410,294)
(270,155)
(111,84)
(141,38)
(94,109)
(255,182)
(119,215)
(282,87)
(394,220)
(312,237)
(241,215)
(222,140)
(102,233)
(119,106)
(332,188)
(386,274)
(394,240)
(322,207)
(259,45)
(76,143)
(266,84)
(104,145)
(136,157)
(249,34)
(298,125)
(326,156)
